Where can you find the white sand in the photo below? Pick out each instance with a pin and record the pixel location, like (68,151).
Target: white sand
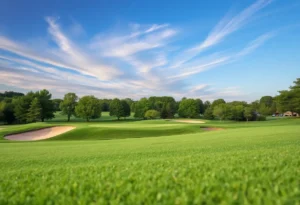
(40,134)
(190,121)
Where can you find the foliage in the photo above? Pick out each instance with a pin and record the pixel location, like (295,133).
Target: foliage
(208,114)
(56,104)
(47,107)
(222,111)
(117,108)
(141,107)
(189,108)
(126,107)
(289,100)
(217,102)
(88,107)
(152,114)
(22,105)
(68,105)
(6,112)
(34,112)
(201,106)
(248,113)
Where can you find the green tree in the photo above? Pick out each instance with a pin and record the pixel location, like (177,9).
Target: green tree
(223,111)
(237,112)
(34,112)
(22,105)
(152,114)
(188,108)
(68,105)
(289,100)
(248,113)
(116,108)
(88,107)
(7,112)
(201,106)
(126,107)
(264,110)
(141,108)
(206,105)
(47,106)
(217,102)
(56,104)
(208,114)
(266,100)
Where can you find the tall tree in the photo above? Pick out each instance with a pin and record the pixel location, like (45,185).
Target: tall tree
(141,107)
(223,111)
(248,113)
(289,100)
(68,105)
(48,110)
(116,108)
(88,107)
(34,112)
(22,105)
(217,102)
(126,107)
(188,108)
(7,112)
(201,106)
(266,100)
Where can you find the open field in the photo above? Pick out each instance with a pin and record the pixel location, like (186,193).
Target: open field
(154,162)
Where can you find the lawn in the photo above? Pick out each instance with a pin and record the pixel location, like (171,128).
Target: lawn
(154,162)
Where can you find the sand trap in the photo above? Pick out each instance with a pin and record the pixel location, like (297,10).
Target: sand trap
(40,134)
(190,121)
(212,129)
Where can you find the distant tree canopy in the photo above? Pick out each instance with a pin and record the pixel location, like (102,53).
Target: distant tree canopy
(22,105)
(141,108)
(119,108)
(289,100)
(88,107)
(68,104)
(217,102)
(189,108)
(152,114)
(38,106)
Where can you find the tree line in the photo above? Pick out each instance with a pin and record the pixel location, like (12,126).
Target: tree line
(39,106)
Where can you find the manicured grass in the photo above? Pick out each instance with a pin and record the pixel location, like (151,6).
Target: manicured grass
(160,162)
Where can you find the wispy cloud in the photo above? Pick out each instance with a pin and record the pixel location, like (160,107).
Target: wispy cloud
(224,28)
(134,63)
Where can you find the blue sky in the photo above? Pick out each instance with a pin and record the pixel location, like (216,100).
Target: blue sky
(231,49)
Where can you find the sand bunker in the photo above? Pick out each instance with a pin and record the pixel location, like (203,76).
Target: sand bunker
(190,121)
(212,129)
(39,134)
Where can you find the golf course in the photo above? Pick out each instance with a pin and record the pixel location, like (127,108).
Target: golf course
(176,161)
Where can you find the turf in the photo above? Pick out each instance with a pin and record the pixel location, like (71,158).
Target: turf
(247,163)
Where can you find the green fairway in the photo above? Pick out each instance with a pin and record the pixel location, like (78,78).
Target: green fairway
(154,162)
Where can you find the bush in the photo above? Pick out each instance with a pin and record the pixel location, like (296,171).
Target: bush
(152,114)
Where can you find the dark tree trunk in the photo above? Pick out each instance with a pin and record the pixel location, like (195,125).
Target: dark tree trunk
(69,116)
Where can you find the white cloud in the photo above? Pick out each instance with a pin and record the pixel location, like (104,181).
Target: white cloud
(136,63)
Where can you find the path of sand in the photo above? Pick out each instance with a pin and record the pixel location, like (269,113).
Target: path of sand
(190,121)
(212,129)
(40,134)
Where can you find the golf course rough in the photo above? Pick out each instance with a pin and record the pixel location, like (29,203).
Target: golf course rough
(246,163)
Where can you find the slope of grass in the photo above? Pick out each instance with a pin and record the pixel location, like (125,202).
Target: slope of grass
(254,163)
